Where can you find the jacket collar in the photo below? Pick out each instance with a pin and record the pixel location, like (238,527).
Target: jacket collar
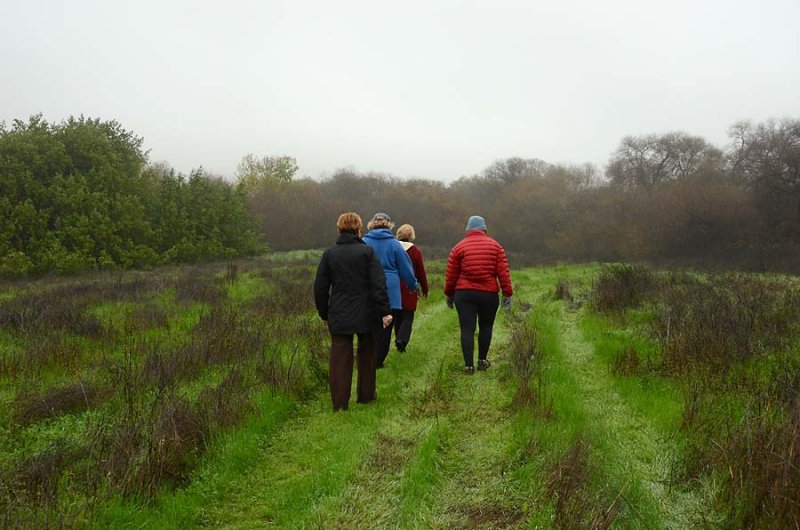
(346,238)
(476,233)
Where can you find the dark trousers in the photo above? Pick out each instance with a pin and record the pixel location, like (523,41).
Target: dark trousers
(476,308)
(402,329)
(383,338)
(340,369)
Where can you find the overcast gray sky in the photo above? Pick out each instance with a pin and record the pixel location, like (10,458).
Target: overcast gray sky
(432,89)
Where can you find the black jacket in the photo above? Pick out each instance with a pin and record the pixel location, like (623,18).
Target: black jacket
(350,287)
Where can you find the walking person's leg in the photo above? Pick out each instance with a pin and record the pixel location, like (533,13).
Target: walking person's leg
(383,338)
(367,361)
(398,326)
(467,320)
(487,311)
(403,329)
(340,370)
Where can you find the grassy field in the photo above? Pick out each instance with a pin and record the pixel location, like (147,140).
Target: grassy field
(197,398)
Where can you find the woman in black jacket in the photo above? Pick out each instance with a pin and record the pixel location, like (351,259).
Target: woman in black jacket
(350,295)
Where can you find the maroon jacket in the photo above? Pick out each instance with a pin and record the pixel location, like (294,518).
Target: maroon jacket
(410,297)
(477,262)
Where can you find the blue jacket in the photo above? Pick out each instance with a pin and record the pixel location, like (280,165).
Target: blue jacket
(395,261)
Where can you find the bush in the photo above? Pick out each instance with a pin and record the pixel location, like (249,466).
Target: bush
(620,287)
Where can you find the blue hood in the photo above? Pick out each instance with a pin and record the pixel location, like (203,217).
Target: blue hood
(380,233)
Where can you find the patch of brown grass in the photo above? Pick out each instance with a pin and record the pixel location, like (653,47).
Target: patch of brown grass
(69,399)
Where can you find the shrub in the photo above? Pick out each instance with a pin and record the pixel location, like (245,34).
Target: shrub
(563,291)
(576,506)
(620,287)
(723,322)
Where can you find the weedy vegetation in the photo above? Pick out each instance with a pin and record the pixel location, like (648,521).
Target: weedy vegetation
(196,396)
(730,341)
(115,385)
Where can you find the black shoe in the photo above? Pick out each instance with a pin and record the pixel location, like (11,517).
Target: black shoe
(469,370)
(483,364)
(400,347)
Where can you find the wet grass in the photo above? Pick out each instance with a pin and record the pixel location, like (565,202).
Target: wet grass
(161,365)
(729,343)
(618,398)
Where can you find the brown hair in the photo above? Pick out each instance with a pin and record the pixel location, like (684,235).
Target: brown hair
(406,233)
(349,222)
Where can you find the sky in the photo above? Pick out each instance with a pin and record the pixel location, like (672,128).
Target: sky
(425,89)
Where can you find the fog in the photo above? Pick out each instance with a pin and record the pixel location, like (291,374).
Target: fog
(420,89)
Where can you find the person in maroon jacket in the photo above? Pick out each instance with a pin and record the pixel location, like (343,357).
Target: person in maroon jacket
(406,236)
(474,267)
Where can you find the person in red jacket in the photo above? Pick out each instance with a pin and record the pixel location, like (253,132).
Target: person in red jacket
(406,236)
(474,267)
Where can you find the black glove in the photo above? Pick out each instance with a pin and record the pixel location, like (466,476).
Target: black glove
(450,302)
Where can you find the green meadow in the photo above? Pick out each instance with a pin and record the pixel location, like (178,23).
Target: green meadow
(196,397)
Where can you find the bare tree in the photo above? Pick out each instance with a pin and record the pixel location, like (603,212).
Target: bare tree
(767,158)
(647,161)
(513,169)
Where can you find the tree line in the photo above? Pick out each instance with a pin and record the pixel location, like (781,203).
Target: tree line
(81,194)
(667,198)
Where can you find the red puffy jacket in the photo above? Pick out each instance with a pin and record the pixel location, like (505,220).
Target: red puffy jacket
(477,262)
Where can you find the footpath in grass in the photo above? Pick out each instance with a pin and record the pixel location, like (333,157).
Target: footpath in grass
(631,423)
(314,458)
(439,463)
(627,436)
(428,454)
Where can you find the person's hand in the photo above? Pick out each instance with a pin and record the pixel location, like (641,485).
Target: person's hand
(506,303)
(450,302)
(387,320)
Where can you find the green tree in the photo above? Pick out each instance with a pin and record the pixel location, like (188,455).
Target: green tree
(79,194)
(253,172)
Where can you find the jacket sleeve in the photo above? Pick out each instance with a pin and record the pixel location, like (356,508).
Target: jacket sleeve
(453,271)
(377,283)
(419,268)
(503,274)
(322,287)
(404,267)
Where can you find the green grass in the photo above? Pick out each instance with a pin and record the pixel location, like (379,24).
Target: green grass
(438,449)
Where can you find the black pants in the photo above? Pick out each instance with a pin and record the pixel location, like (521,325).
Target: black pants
(476,308)
(402,329)
(340,369)
(383,338)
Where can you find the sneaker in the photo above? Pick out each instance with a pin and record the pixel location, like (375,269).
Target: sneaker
(483,364)
(469,370)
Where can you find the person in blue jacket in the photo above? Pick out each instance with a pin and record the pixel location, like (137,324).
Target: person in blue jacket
(396,264)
